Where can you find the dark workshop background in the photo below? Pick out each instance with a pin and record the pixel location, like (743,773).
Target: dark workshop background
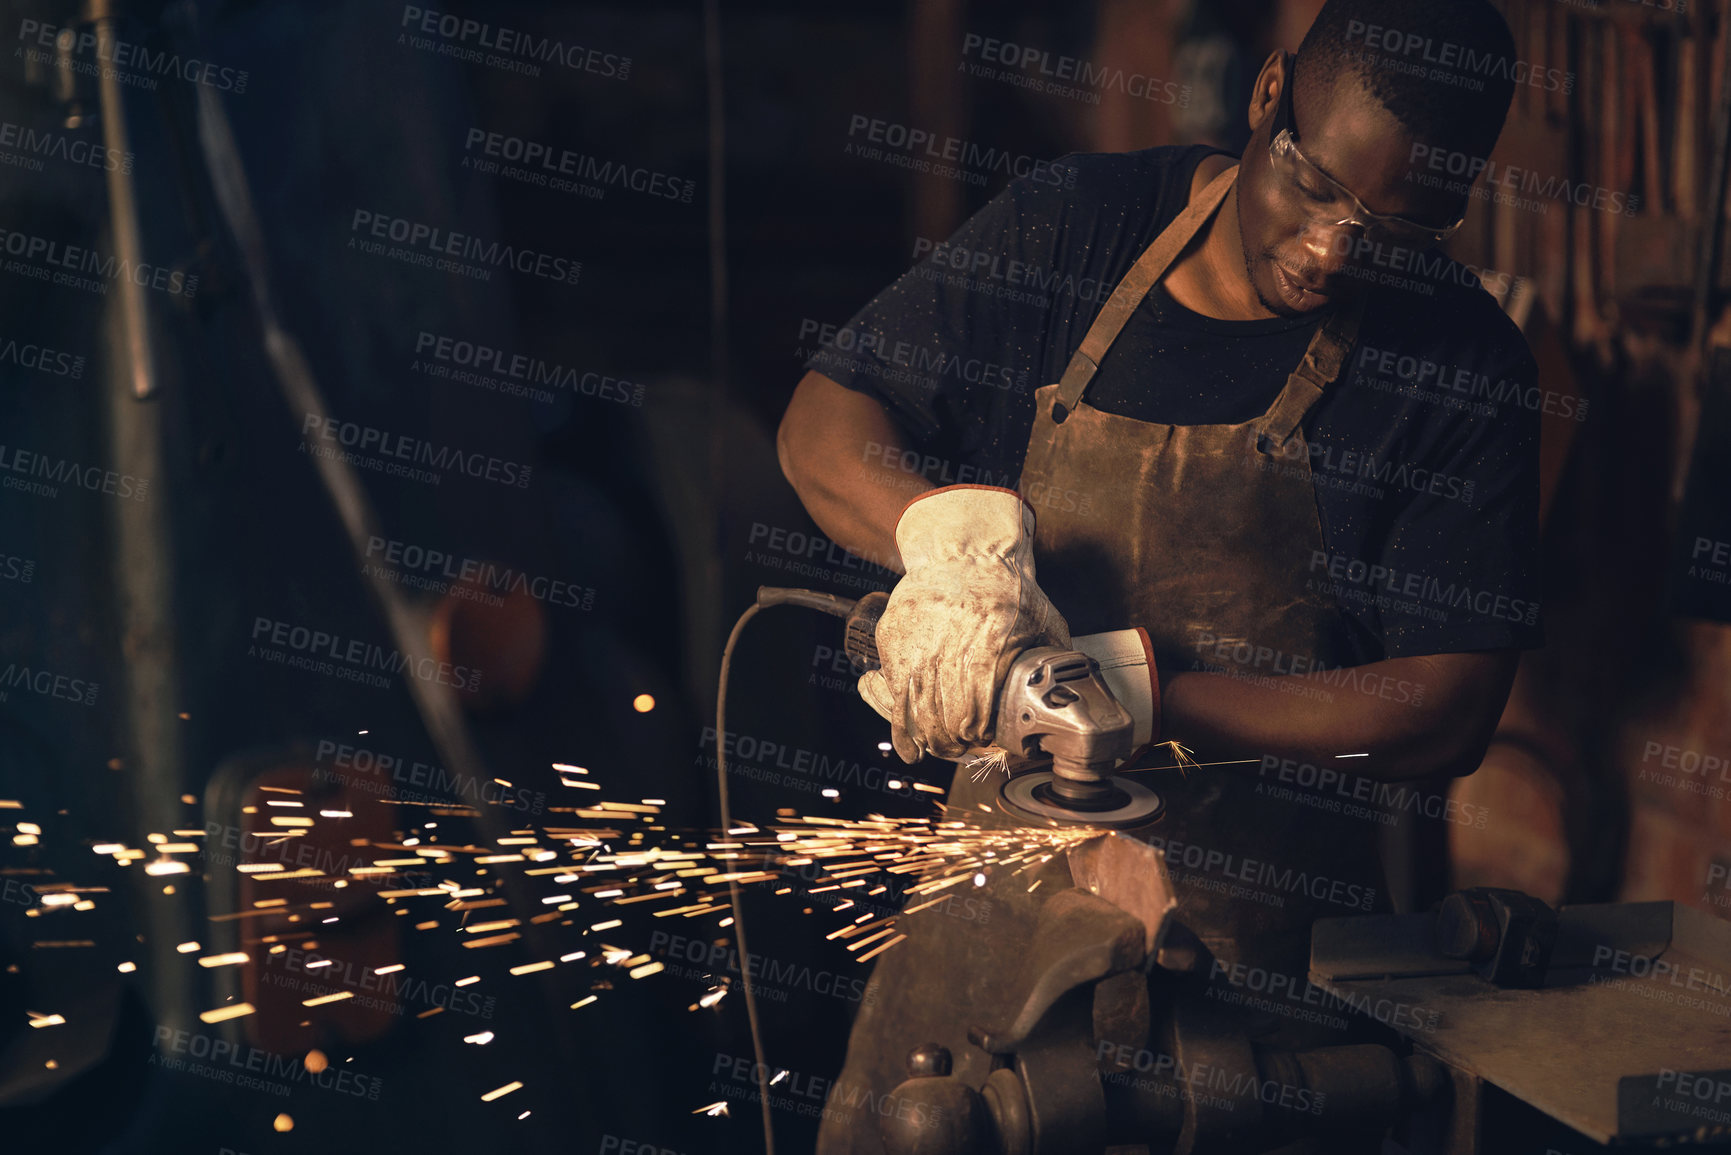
(661,494)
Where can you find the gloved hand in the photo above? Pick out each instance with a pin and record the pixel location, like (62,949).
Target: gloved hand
(965,609)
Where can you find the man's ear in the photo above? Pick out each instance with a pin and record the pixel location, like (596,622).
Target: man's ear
(1265,93)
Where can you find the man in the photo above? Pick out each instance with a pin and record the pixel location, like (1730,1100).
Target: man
(1270,449)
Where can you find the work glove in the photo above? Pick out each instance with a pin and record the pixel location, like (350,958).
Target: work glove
(966,607)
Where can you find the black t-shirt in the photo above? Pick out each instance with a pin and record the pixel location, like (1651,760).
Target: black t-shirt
(1424,452)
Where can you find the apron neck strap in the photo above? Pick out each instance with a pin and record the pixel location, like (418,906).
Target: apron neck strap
(1143,276)
(1322,363)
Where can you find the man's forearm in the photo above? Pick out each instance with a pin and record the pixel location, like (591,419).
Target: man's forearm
(1412,717)
(842,454)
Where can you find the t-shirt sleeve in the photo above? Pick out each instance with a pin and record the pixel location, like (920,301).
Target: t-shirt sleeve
(962,330)
(1462,554)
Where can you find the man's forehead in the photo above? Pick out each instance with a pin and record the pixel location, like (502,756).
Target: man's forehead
(1339,117)
(1354,138)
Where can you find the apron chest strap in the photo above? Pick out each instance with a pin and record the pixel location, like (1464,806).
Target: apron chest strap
(1319,368)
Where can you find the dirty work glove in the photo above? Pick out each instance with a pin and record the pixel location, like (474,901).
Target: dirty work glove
(955,623)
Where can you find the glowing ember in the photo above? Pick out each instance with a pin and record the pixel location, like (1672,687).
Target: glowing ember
(223,1014)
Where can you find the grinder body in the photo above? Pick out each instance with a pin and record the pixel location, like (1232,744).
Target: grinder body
(1062,731)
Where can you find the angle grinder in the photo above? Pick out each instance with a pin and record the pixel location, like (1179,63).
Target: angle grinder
(1063,731)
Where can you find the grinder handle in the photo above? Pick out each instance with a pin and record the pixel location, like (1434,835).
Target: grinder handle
(862,625)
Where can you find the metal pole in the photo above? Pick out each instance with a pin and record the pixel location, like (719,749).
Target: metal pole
(144,579)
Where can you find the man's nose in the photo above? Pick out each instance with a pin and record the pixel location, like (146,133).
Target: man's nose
(1329,246)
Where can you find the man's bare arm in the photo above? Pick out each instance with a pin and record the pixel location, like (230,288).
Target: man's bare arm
(840,450)
(1414,717)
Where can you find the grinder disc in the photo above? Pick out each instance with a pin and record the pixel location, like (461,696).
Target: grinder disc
(1127,804)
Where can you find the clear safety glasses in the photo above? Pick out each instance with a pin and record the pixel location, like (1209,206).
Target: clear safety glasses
(1325,200)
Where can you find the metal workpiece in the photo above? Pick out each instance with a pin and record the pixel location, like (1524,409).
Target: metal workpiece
(1131,875)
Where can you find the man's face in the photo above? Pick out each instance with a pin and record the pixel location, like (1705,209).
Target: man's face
(1297,258)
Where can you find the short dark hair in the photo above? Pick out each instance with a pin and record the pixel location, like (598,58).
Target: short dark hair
(1446,69)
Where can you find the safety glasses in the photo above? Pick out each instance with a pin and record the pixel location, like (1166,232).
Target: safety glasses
(1323,199)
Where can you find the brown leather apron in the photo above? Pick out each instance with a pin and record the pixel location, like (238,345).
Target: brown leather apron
(1199,533)
(1204,535)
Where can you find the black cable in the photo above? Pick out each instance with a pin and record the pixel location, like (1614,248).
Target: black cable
(762,1069)
(766,596)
